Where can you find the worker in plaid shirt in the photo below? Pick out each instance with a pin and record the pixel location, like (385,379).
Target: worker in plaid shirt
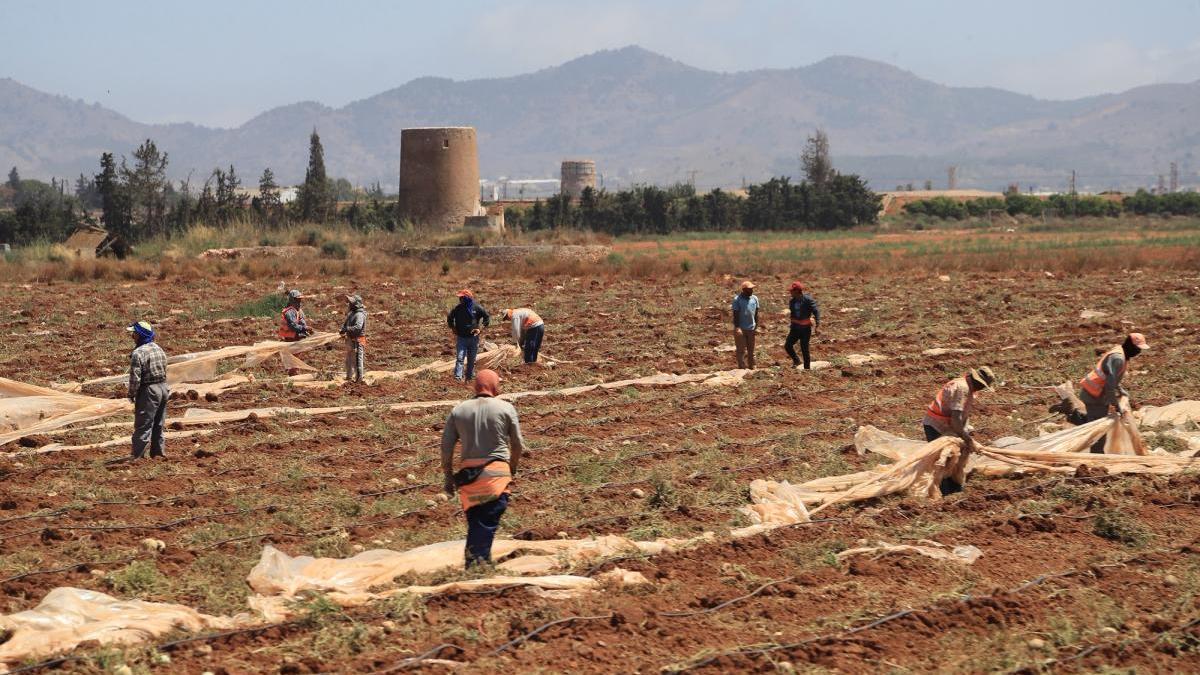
(147,390)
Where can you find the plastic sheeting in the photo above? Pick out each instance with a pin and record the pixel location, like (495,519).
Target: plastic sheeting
(931,549)
(1176,414)
(491,358)
(27,409)
(68,616)
(203,366)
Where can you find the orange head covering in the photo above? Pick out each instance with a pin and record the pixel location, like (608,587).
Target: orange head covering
(487,383)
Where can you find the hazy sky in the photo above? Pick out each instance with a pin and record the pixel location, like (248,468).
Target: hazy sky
(219,63)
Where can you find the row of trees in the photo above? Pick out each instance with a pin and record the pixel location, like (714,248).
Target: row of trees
(823,200)
(1013,203)
(136,200)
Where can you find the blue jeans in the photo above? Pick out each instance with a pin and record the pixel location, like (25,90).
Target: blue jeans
(465,349)
(533,343)
(482,522)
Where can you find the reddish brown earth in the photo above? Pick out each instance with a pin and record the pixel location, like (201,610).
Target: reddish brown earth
(1049,592)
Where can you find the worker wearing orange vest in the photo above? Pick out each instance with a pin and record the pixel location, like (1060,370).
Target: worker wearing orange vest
(491,450)
(528,329)
(292,324)
(1100,389)
(950,410)
(354,330)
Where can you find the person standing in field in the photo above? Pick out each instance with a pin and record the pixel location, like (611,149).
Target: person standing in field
(491,451)
(293,325)
(465,320)
(806,319)
(148,391)
(745,324)
(354,330)
(949,413)
(528,330)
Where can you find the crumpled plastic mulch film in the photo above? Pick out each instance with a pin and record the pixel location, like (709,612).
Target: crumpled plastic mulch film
(68,616)
(28,409)
(491,358)
(965,554)
(203,366)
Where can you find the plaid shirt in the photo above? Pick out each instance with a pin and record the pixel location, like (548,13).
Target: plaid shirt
(147,365)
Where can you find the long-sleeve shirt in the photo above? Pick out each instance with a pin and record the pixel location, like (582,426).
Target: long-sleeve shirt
(355,324)
(745,311)
(296,321)
(488,428)
(522,320)
(462,321)
(805,307)
(147,365)
(1113,368)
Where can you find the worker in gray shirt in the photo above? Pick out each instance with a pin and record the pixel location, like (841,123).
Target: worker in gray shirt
(354,330)
(147,390)
(491,450)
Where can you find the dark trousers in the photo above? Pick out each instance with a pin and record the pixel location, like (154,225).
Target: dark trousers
(533,343)
(948,485)
(801,334)
(1096,409)
(482,522)
(149,412)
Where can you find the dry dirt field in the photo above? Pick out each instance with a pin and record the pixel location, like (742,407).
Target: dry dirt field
(1080,574)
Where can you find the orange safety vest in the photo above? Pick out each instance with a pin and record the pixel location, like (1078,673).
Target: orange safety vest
(937,406)
(1093,383)
(490,484)
(285,331)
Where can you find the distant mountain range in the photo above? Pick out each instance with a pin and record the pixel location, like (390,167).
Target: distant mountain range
(646,118)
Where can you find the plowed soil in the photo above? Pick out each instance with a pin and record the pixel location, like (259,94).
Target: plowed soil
(1078,573)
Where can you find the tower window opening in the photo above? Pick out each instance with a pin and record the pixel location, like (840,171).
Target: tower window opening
(446,144)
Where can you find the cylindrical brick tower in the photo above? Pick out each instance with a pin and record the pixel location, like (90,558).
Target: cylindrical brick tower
(439,176)
(577,175)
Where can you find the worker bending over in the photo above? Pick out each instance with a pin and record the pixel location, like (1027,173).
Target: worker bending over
(292,323)
(465,320)
(1100,390)
(491,450)
(354,330)
(745,324)
(806,318)
(528,330)
(949,414)
(148,391)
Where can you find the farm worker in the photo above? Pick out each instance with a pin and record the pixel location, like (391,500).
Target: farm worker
(949,412)
(147,390)
(745,324)
(465,321)
(806,318)
(528,330)
(354,330)
(491,450)
(1101,388)
(292,324)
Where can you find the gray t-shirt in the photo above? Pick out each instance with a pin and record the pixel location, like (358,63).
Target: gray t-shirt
(487,427)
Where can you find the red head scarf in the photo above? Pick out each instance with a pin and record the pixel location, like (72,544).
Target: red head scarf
(487,383)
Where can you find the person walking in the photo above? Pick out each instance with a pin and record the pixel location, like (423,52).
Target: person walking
(528,329)
(806,319)
(293,325)
(491,452)
(354,330)
(745,324)
(465,320)
(148,391)
(949,414)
